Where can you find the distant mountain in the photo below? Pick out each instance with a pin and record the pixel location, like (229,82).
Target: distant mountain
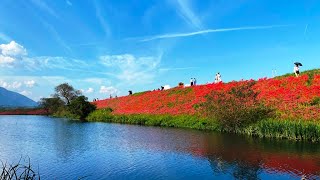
(13,99)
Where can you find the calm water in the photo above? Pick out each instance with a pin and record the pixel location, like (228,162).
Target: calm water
(65,149)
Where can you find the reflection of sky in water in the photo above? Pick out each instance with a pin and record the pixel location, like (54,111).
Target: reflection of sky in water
(69,149)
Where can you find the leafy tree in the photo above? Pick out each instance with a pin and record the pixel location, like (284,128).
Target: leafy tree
(81,107)
(66,92)
(51,105)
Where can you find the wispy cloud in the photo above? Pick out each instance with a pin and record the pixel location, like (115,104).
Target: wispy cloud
(131,69)
(305,30)
(44,6)
(69,2)
(176,35)
(4,37)
(184,9)
(99,14)
(56,36)
(177,68)
(14,56)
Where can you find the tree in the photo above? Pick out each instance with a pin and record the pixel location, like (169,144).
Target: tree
(66,92)
(51,105)
(81,107)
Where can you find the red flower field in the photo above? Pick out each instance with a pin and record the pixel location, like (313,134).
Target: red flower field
(291,97)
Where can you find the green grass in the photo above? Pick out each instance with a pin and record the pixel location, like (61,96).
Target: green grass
(270,128)
(139,93)
(285,129)
(180,91)
(179,121)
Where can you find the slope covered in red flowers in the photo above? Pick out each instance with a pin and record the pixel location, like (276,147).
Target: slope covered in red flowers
(291,97)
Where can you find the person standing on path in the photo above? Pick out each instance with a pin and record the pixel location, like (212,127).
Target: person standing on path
(219,77)
(191,82)
(296,70)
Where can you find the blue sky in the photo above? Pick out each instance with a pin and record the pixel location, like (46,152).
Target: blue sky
(108,47)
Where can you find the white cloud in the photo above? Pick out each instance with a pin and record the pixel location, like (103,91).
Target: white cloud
(88,91)
(176,35)
(30,83)
(9,53)
(132,69)
(26,93)
(109,90)
(14,85)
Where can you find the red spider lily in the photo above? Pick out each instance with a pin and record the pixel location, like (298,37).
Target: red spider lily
(290,96)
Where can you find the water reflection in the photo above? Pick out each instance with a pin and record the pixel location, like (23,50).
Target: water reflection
(67,149)
(242,157)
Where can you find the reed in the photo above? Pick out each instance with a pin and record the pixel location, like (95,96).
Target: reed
(18,171)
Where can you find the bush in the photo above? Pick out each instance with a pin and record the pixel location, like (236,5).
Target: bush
(81,107)
(235,108)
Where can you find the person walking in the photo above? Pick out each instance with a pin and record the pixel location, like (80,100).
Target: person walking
(219,77)
(296,70)
(194,81)
(191,82)
(216,78)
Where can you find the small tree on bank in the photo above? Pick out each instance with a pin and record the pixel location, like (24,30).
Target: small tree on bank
(81,107)
(67,102)
(66,92)
(51,105)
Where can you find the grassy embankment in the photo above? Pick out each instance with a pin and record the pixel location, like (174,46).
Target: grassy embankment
(270,128)
(281,124)
(282,107)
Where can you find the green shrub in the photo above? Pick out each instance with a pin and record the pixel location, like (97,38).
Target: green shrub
(81,107)
(235,108)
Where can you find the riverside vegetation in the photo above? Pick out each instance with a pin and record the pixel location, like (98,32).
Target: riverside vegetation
(67,102)
(282,107)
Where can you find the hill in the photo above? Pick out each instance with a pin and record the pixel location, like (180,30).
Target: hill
(291,97)
(13,99)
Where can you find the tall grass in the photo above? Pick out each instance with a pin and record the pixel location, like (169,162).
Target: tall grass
(18,171)
(285,129)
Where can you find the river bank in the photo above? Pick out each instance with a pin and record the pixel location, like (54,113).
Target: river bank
(23,111)
(268,128)
(283,107)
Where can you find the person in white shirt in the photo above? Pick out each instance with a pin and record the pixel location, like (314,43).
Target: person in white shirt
(191,82)
(215,79)
(296,70)
(218,78)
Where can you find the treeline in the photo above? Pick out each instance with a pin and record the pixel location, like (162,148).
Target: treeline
(67,102)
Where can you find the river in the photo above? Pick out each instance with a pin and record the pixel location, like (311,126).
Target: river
(64,149)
